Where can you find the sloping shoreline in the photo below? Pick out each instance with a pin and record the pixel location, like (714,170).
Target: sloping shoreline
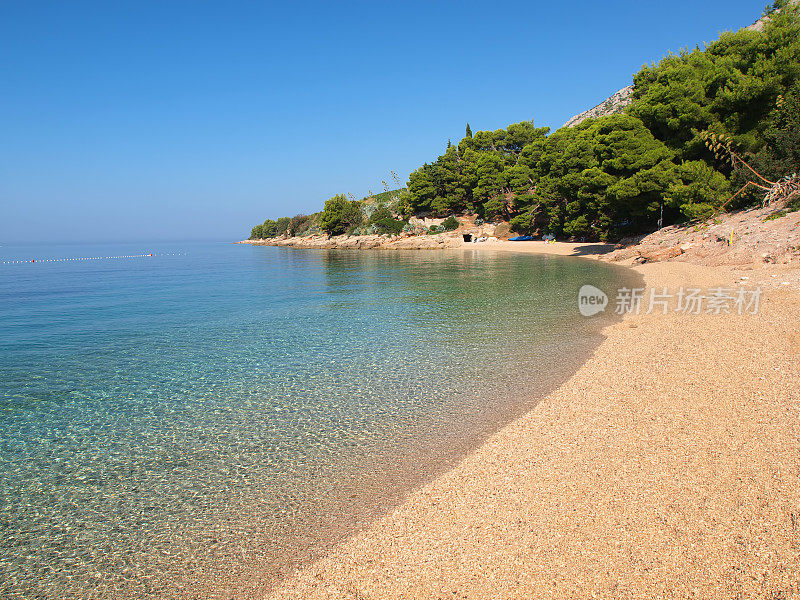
(754,236)
(668,465)
(432,242)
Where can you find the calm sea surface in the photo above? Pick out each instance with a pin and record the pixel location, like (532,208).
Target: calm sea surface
(195,423)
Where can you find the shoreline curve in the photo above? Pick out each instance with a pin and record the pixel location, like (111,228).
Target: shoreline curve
(667,465)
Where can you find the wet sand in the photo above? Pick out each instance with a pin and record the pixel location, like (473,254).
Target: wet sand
(667,466)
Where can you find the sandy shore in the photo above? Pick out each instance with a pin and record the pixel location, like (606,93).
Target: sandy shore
(587,249)
(668,466)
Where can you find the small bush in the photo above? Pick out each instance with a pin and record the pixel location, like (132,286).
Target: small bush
(298,224)
(775,215)
(340,215)
(380,213)
(450,223)
(390,226)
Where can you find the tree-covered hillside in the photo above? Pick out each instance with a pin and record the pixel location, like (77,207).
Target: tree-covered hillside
(617,175)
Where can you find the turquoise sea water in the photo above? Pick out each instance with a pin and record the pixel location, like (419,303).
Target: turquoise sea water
(192,424)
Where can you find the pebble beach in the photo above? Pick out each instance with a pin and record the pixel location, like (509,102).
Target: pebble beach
(667,466)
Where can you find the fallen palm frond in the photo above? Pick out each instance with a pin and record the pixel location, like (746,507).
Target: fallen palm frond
(781,191)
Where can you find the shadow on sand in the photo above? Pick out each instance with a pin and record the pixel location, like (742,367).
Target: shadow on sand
(593,249)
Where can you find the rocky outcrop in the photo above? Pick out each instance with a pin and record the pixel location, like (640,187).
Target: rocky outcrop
(761,23)
(753,236)
(658,254)
(615,104)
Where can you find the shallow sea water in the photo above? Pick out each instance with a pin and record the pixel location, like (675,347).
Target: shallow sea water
(196,423)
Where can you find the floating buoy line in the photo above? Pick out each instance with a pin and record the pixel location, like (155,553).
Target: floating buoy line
(81,258)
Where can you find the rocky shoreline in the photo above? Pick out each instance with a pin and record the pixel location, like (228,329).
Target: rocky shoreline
(754,236)
(365,242)
(417,239)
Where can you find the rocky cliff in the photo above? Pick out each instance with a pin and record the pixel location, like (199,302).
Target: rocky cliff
(759,25)
(609,106)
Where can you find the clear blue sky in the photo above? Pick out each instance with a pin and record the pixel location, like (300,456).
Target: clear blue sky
(187,120)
